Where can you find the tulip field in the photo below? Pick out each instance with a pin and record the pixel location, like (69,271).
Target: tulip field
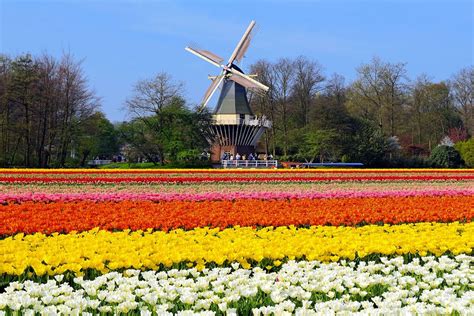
(237,242)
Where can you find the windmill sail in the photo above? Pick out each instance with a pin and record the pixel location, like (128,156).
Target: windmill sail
(206,55)
(210,91)
(243,50)
(246,81)
(212,56)
(243,44)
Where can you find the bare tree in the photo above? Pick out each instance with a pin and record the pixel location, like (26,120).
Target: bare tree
(430,112)
(394,76)
(151,96)
(42,103)
(308,79)
(336,87)
(418,107)
(284,74)
(47,108)
(462,84)
(264,104)
(154,102)
(378,93)
(78,102)
(5,112)
(293,85)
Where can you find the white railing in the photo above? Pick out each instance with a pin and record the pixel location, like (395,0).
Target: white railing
(98,162)
(249,163)
(235,119)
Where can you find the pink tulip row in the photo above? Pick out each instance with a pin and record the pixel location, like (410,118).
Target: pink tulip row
(120,196)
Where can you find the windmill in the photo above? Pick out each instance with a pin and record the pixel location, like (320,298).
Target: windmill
(235,128)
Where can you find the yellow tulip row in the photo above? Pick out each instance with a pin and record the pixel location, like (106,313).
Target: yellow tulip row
(105,251)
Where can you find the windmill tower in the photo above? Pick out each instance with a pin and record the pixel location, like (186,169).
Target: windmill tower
(235,128)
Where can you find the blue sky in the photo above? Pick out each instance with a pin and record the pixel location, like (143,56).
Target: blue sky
(121,42)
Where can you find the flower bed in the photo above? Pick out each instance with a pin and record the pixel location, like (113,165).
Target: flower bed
(232,210)
(431,285)
(261,242)
(246,178)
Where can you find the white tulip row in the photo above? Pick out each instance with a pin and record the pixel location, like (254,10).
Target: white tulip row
(428,285)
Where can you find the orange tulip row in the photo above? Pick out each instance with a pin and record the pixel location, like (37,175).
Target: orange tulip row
(30,217)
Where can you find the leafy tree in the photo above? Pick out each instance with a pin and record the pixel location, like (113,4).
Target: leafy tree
(330,113)
(184,129)
(319,144)
(167,126)
(466,150)
(445,157)
(98,138)
(139,140)
(369,145)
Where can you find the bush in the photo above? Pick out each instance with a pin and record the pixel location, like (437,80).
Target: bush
(189,155)
(150,165)
(409,162)
(345,158)
(445,157)
(466,150)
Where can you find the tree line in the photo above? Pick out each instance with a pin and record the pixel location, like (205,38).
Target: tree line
(381,118)
(50,117)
